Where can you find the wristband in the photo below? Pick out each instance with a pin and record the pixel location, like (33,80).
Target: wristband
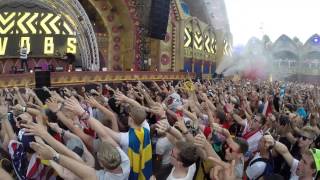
(56,158)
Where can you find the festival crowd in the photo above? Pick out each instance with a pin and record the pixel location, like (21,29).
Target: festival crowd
(177,130)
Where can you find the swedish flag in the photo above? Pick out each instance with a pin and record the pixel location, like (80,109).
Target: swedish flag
(140,154)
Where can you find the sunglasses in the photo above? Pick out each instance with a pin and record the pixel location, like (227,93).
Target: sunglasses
(226,146)
(304,137)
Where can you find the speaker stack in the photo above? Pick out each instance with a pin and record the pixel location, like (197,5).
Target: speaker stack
(42,78)
(159,16)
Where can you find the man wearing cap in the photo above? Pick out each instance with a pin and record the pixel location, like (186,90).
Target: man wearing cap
(305,169)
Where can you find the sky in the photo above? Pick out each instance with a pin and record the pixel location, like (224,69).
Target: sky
(248,18)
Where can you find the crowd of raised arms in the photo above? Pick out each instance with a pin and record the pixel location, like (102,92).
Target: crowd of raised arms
(182,130)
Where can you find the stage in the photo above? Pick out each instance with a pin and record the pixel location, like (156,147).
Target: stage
(59,79)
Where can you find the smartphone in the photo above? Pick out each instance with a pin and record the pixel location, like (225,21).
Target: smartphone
(12,122)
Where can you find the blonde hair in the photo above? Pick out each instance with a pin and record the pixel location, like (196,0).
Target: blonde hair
(138,114)
(108,156)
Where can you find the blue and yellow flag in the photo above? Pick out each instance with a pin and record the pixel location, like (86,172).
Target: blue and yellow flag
(140,154)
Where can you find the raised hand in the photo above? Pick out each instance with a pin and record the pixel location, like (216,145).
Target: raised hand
(73,105)
(55,127)
(205,106)
(53,105)
(120,97)
(28,91)
(181,125)
(227,169)
(44,151)
(67,92)
(158,110)
(46,89)
(93,91)
(18,107)
(200,140)
(268,141)
(35,129)
(25,118)
(56,96)
(93,102)
(162,126)
(229,108)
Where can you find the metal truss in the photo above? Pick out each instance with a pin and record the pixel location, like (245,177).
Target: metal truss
(72,9)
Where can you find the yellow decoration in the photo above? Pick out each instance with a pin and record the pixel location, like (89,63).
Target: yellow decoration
(189,86)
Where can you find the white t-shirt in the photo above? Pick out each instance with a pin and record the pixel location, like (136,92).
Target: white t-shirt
(125,166)
(253,141)
(294,167)
(189,176)
(256,169)
(164,147)
(124,137)
(23,53)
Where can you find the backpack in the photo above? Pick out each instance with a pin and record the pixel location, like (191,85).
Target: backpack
(269,166)
(200,167)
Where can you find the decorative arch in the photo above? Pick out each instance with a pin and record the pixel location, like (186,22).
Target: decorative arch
(197,33)
(188,33)
(210,41)
(311,49)
(284,43)
(123,38)
(227,46)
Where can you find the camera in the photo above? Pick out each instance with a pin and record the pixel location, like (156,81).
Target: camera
(193,129)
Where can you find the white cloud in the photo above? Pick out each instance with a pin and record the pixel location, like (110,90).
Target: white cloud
(249,18)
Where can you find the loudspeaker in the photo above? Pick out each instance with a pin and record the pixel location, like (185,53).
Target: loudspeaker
(159,16)
(42,78)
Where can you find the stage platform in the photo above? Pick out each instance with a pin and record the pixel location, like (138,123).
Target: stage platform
(59,79)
